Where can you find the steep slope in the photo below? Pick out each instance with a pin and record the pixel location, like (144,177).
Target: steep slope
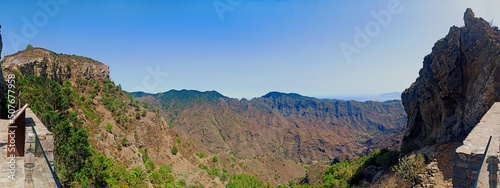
(458,83)
(103,137)
(280,127)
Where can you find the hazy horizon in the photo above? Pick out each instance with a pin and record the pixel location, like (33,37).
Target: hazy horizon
(362,98)
(247,48)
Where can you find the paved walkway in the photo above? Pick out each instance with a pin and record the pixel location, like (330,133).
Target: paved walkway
(41,174)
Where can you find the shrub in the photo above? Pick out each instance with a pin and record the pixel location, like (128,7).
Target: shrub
(149,164)
(345,174)
(203,167)
(181,183)
(162,177)
(244,180)
(409,167)
(174,150)
(108,127)
(124,140)
(201,154)
(215,159)
(223,176)
(29,47)
(213,171)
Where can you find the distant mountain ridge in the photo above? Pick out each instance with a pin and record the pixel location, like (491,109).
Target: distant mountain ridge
(363,98)
(282,111)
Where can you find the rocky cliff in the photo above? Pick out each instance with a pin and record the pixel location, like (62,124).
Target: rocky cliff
(58,67)
(1,44)
(458,83)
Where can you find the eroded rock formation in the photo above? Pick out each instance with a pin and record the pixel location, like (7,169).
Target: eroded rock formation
(458,83)
(58,67)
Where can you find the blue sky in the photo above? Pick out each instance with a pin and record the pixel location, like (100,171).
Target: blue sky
(243,48)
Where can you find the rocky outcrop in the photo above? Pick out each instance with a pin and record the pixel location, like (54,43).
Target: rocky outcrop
(58,67)
(1,44)
(459,82)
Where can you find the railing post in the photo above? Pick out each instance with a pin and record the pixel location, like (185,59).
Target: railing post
(29,165)
(493,169)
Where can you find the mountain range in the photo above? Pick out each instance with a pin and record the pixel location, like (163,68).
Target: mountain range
(106,137)
(281,125)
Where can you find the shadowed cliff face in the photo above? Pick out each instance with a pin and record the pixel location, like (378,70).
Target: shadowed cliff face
(458,83)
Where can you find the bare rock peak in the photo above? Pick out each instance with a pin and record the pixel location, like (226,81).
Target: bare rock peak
(458,83)
(469,14)
(474,23)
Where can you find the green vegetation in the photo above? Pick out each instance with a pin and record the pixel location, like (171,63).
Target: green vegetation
(201,154)
(148,163)
(215,159)
(124,140)
(52,107)
(108,127)
(203,167)
(174,150)
(196,186)
(216,172)
(101,171)
(77,162)
(244,180)
(112,100)
(162,177)
(29,47)
(277,176)
(409,167)
(346,174)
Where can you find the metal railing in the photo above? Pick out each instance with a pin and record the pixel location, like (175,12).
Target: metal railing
(52,171)
(483,161)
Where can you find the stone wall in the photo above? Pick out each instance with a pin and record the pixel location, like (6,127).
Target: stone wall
(469,167)
(466,167)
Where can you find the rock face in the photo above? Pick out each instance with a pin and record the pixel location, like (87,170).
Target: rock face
(1,44)
(459,82)
(58,67)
